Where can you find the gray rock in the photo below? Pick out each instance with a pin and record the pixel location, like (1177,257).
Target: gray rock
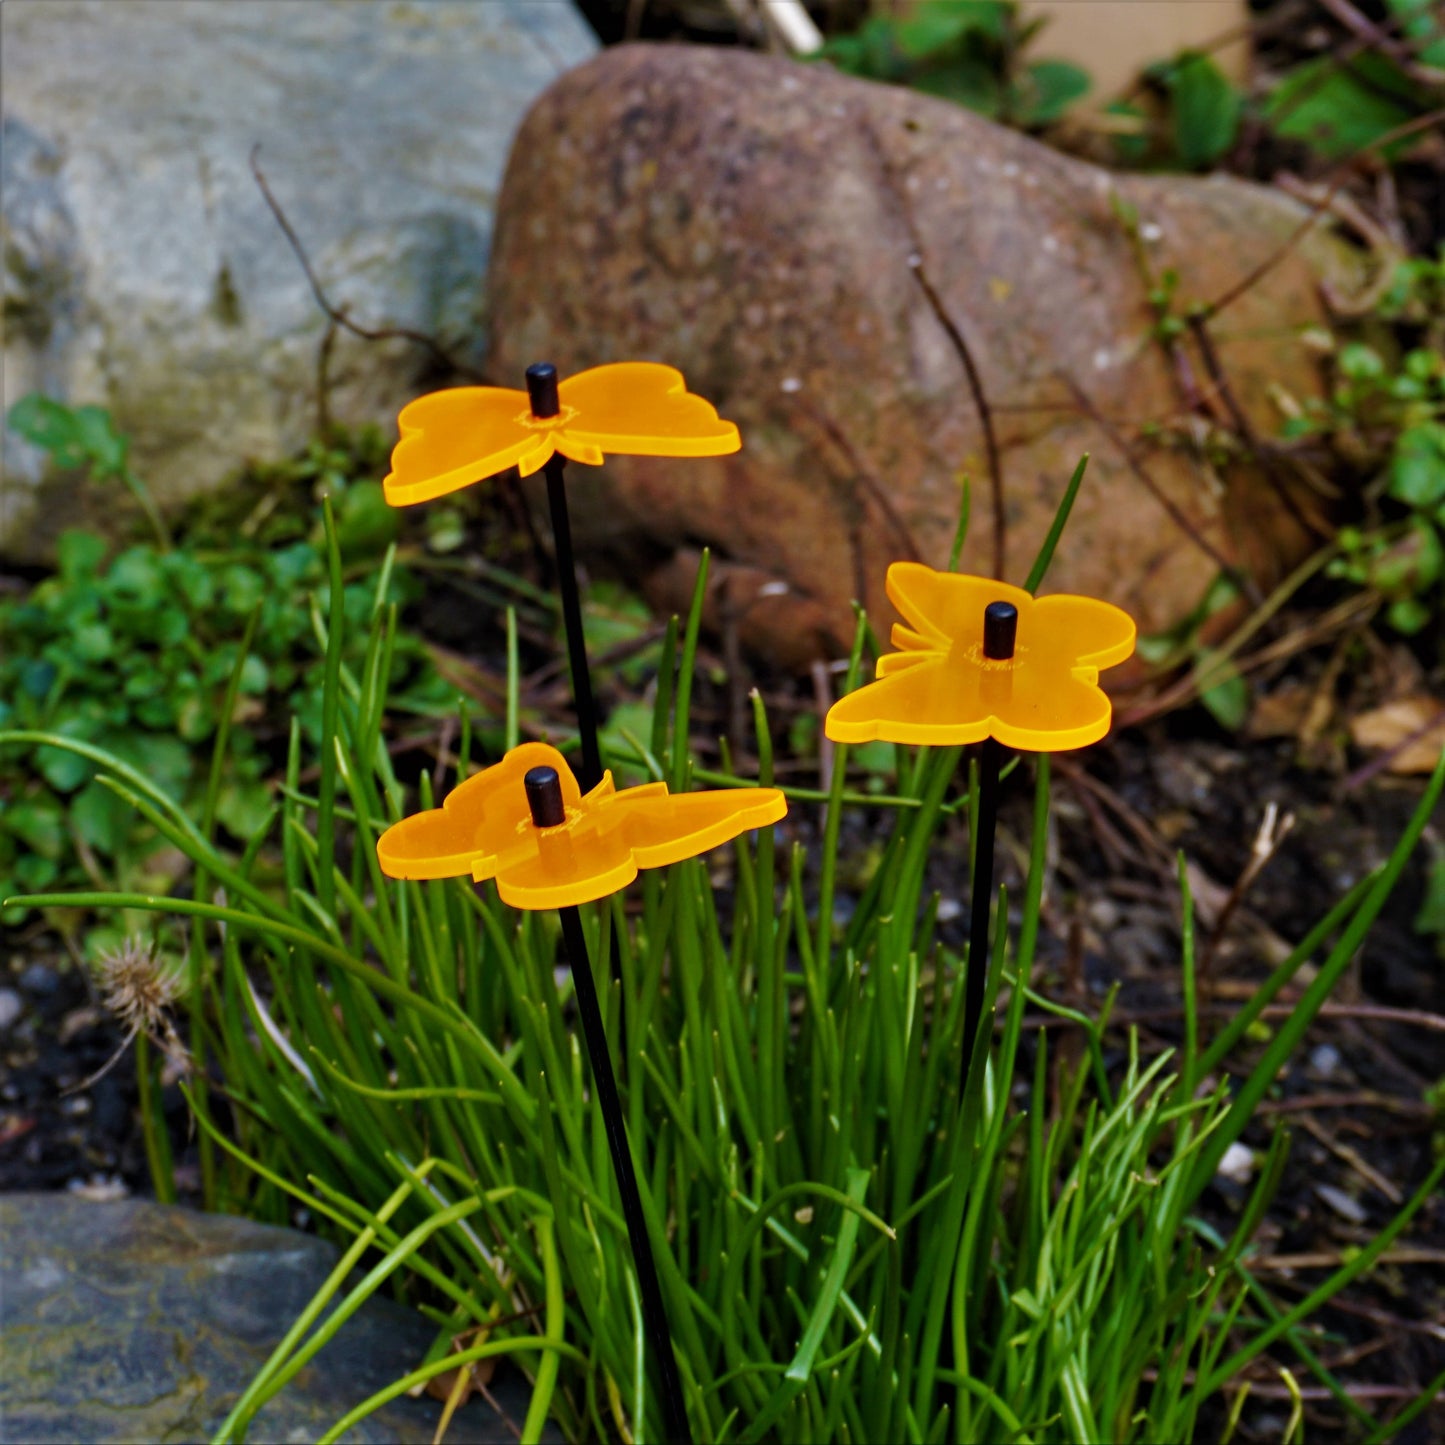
(135,1321)
(143,270)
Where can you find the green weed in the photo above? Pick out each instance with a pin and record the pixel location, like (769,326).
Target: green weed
(157,649)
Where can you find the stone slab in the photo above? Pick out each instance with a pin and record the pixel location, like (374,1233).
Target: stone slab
(134,1321)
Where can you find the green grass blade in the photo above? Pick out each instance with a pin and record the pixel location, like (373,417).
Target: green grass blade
(1056,528)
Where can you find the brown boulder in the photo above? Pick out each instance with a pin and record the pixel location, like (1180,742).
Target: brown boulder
(824,258)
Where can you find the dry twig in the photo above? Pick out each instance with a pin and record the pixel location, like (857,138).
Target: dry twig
(337,314)
(1273,829)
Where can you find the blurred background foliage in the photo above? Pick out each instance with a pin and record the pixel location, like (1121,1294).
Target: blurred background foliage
(1330,77)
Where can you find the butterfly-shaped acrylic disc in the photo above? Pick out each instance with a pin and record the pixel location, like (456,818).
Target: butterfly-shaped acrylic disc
(485,829)
(450,439)
(940,689)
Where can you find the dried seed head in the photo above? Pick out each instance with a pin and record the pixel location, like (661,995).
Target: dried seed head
(138,988)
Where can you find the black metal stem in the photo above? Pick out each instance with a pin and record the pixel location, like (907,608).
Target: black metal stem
(590,773)
(1000,637)
(980,898)
(654,1312)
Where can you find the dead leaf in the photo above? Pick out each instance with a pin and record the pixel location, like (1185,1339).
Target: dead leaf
(1413,725)
(1293,710)
(478,1377)
(1281,713)
(1209,897)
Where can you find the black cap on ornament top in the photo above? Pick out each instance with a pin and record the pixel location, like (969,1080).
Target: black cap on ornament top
(1000,630)
(542,389)
(544,797)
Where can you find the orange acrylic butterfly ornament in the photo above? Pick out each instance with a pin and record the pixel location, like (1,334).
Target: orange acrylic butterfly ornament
(485,828)
(940,689)
(450,439)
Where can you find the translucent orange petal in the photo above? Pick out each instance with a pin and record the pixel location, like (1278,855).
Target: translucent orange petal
(929,703)
(450,439)
(947,607)
(670,827)
(1100,634)
(644,409)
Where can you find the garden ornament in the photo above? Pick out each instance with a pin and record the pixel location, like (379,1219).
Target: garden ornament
(482,829)
(526,823)
(452,438)
(981,661)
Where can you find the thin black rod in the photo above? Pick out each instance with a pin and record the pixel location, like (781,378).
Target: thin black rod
(654,1313)
(590,774)
(980,897)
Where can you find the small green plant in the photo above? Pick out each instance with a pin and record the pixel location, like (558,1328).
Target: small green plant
(854,1242)
(77,437)
(1386,415)
(1341,105)
(1189,120)
(142,649)
(1185,113)
(969,51)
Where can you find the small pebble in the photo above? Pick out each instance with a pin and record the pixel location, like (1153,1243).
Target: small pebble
(11,1007)
(1182,779)
(99,1188)
(1345,1205)
(40,980)
(1237,1165)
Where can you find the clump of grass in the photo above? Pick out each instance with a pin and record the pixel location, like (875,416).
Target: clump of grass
(855,1244)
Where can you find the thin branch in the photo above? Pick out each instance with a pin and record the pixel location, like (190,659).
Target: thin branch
(1333,1259)
(1383,760)
(980,401)
(873,485)
(1386,250)
(960,346)
(1375,1013)
(1209,353)
(1245,585)
(1377,37)
(1353,611)
(1362,1167)
(337,315)
(1273,830)
(1341,172)
(1360,1099)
